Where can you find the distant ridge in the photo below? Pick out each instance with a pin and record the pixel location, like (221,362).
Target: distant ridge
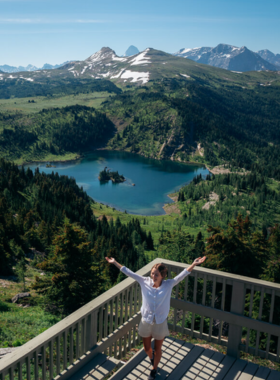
(14,69)
(270,57)
(228,57)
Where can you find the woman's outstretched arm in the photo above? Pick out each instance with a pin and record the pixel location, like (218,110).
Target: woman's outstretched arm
(113,261)
(187,271)
(197,261)
(125,270)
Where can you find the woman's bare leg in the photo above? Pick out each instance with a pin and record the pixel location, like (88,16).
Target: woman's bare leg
(148,347)
(158,352)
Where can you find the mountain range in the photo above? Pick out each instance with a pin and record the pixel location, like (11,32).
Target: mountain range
(233,58)
(139,69)
(14,69)
(224,56)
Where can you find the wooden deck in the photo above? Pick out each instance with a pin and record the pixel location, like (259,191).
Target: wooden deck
(183,360)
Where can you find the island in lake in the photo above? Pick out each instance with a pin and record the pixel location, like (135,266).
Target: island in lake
(106,175)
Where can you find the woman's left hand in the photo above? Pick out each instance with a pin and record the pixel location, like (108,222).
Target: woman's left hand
(199,260)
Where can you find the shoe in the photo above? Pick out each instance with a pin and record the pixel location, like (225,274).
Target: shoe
(152,360)
(153,374)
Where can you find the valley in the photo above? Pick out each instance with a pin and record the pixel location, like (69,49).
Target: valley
(157,107)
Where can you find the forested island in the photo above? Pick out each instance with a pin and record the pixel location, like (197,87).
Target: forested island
(106,175)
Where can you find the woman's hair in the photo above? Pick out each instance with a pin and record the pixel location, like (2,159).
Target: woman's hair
(161,268)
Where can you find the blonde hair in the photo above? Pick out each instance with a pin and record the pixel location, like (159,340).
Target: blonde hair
(161,268)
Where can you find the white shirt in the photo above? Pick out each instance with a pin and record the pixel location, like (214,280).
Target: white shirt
(155,301)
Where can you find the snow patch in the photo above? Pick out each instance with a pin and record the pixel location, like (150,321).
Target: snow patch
(237,72)
(115,58)
(71,68)
(84,69)
(136,76)
(30,79)
(184,75)
(140,59)
(106,74)
(11,77)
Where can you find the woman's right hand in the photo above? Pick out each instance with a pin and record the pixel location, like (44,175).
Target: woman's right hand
(110,260)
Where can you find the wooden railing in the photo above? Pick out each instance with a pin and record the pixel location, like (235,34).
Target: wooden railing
(234,311)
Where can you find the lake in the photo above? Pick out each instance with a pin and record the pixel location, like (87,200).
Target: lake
(153,180)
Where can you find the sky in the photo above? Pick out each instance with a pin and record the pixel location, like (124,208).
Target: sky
(54,31)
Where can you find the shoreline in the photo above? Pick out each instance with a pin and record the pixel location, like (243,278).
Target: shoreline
(52,162)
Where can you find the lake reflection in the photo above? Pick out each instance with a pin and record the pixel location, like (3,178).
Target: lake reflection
(153,180)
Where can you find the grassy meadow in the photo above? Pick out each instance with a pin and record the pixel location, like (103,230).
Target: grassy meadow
(35,104)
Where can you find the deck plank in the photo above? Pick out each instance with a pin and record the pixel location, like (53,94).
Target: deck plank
(236,370)
(172,357)
(249,371)
(99,367)
(199,368)
(187,362)
(262,373)
(212,367)
(223,368)
(274,375)
(183,360)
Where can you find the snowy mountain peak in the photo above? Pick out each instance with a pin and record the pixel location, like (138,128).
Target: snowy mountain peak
(227,57)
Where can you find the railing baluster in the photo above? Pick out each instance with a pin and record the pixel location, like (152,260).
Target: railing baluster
(175,310)
(203,303)
(270,321)
(12,373)
(28,372)
(250,315)
(36,369)
(130,302)
(222,308)
(126,306)
(71,346)
(20,371)
(111,323)
(51,359)
(135,297)
(117,312)
(139,296)
(43,352)
(185,299)
(259,317)
(100,323)
(212,305)
(106,320)
(194,301)
(82,336)
(77,340)
(121,310)
(65,350)
(116,322)
(58,355)
(106,323)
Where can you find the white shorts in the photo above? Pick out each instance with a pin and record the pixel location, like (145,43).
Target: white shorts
(157,331)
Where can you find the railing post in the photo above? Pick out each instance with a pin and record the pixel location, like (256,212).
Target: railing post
(91,327)
(237,306)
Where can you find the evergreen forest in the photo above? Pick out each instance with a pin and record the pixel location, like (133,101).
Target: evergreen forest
(53,232)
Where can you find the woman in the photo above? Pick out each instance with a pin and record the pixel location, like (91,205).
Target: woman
(156,294)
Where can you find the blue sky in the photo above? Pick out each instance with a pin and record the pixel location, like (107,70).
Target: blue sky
(49,31)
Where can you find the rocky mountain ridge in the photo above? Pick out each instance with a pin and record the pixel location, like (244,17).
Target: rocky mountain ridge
(229,57)
(139,69)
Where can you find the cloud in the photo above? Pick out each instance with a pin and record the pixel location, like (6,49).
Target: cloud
(30,21)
